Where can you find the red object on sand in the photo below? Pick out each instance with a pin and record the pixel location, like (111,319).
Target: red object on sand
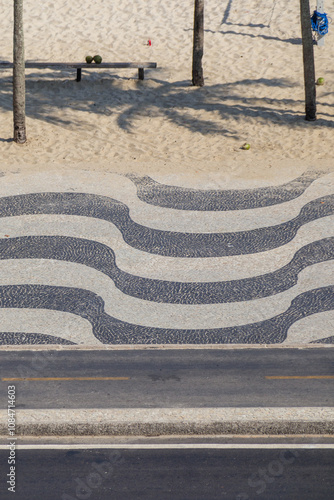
(149,43)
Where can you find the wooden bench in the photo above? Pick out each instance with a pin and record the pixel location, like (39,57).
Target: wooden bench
(80,66)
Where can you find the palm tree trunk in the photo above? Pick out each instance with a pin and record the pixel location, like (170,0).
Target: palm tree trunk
(308,60)
(198,44)
(19,75)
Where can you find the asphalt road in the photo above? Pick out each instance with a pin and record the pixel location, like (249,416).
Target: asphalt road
(169,378)
(286,473)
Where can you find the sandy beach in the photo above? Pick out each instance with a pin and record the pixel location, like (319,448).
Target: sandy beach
(253,90)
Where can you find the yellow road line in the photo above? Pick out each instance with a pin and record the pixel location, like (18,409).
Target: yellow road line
(51,379)
(285,377)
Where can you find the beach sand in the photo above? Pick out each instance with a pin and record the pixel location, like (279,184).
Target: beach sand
(253,91)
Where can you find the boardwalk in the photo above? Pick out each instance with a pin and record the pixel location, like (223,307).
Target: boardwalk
(112,259)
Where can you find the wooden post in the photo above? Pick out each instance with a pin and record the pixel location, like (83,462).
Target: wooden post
(198,44)
(78,74)
(141,73)
(308,61)
(19,89)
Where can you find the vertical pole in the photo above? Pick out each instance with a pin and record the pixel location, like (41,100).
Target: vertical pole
(308,61)
(198,44)
(321,10)
(19,75)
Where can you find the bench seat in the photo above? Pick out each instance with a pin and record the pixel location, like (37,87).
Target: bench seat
(80,66)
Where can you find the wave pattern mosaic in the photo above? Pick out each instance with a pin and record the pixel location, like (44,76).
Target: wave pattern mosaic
(117,259)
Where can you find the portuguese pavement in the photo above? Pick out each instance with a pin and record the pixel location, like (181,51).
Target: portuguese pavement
(95,259)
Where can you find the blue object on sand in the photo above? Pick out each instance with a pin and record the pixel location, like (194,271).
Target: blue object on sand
(319,22)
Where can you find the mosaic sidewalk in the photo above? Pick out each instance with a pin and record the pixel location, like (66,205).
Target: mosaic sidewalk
(90,258)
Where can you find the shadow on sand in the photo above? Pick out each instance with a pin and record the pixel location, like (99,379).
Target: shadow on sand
(49,97)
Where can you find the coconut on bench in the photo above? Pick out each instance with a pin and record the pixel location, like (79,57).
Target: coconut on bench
(79,66)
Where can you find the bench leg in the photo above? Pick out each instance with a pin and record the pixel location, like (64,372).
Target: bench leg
(78,74)
(141,73)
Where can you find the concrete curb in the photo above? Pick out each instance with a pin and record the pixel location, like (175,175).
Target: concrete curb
(170,421)
(157,347)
